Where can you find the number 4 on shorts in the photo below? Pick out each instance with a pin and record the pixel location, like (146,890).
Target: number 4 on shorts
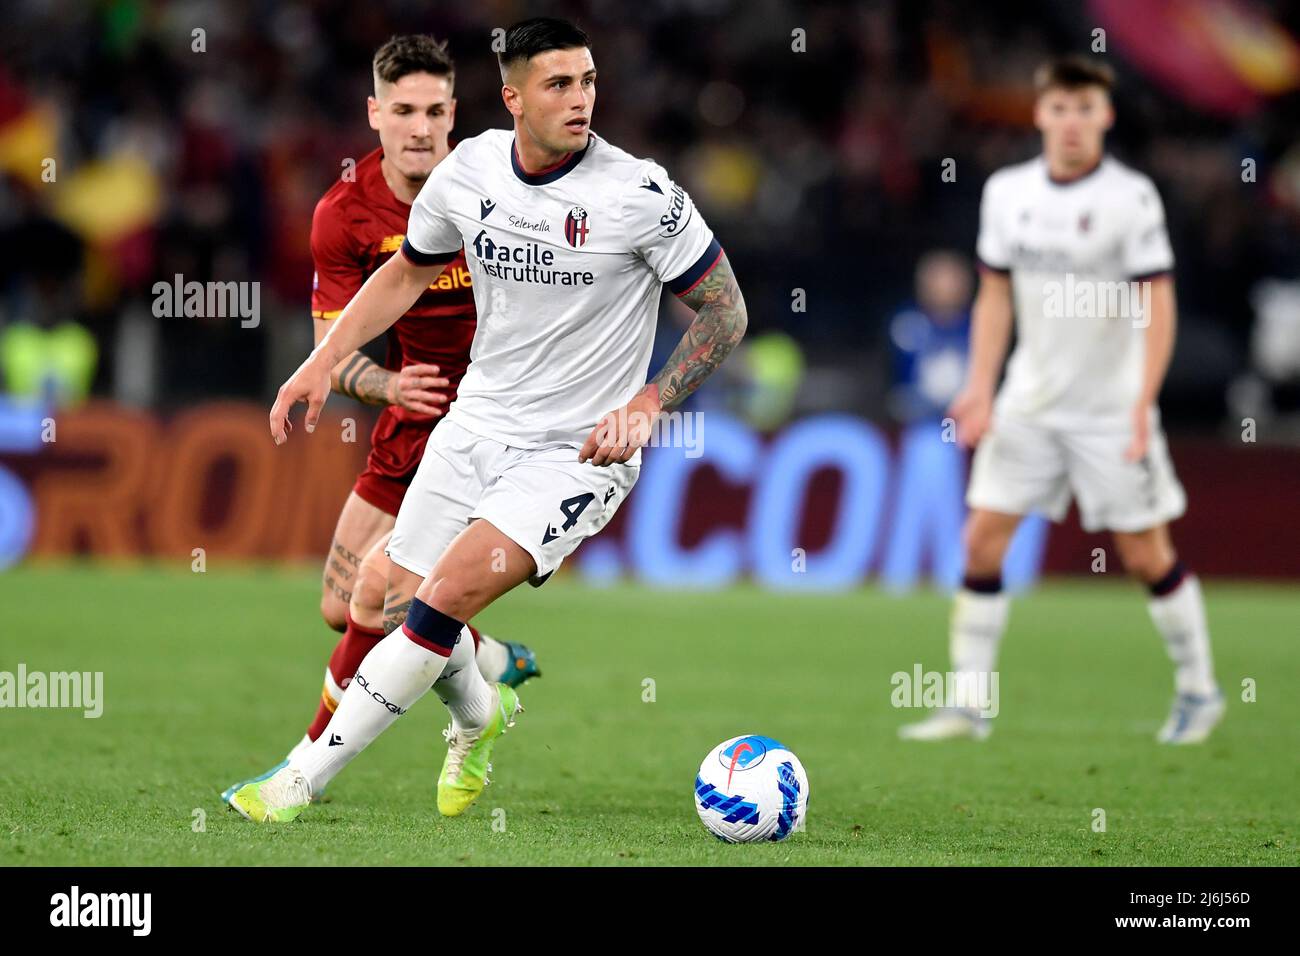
(571,508)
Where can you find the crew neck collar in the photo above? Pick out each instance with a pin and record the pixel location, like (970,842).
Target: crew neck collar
(551,173)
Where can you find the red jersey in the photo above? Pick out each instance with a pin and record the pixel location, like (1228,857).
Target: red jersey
(356,227)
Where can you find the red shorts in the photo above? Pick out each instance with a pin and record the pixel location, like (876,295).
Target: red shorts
(396,445)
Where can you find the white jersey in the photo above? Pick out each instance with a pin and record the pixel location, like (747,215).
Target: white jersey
(568,265)
(1077,253)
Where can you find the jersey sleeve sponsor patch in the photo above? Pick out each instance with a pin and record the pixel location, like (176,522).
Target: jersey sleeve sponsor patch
(666,229)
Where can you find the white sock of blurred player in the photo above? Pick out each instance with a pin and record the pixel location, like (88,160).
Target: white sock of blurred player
(1178,611)
(979,618)
(393,676)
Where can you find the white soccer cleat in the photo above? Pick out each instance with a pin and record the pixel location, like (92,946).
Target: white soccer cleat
(1192,718)
(948,723)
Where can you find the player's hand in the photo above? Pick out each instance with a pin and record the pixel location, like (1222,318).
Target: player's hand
(619,434)
(1137,448)
(413,388)
(310,384)
(972,410)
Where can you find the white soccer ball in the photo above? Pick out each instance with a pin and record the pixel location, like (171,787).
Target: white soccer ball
(751,788)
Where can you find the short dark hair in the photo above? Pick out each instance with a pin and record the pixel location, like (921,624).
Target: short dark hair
(412,53)
(527,38)
(1073,73)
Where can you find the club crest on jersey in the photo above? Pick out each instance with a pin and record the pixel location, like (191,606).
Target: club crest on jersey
(576,227)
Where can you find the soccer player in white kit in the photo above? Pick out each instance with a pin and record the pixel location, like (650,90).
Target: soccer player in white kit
(1074,243)
(570,241)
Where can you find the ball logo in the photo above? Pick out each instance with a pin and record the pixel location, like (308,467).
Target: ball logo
(744,753)
(576,226)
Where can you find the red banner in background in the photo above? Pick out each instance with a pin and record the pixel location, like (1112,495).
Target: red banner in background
(120,483)
(1225,56)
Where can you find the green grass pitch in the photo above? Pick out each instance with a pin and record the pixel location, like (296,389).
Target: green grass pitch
(211,677)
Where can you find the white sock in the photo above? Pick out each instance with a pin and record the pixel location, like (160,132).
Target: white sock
(492,658)
(1179,616)
(299,747)
(462,686)
(975,632)
(394,675)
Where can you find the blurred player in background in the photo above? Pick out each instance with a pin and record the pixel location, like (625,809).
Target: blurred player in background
(572,242)
(358,225)
(929,339)
(1074,244)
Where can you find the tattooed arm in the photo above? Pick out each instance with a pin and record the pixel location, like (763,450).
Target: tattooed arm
(719,324)
(357,376)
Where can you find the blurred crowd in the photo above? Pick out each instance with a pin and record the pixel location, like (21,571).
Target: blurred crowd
(142,139)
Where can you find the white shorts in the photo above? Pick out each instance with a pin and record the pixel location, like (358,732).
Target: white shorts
(543,499)
(1020,467)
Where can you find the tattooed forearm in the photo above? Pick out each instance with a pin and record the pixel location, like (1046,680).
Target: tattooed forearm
(720,321)
(360,378)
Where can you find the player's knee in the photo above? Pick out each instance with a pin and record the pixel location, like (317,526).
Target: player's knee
(368,593)
(334,612)
(1144,562)
(454,595)
(984,552)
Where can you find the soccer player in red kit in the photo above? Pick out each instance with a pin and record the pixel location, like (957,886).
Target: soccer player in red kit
(358,224)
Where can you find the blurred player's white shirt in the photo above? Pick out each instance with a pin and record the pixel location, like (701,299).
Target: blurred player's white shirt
(1080,345)
(568,265)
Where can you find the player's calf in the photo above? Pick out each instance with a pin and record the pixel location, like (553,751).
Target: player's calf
(401,587)
(334,607)
(338,584)
(360,526)
(363,629)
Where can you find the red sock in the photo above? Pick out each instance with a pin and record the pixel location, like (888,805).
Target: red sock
(351,649)
(478,638)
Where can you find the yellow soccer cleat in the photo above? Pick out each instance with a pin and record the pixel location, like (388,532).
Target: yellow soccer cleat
(277,799)
(465,769)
